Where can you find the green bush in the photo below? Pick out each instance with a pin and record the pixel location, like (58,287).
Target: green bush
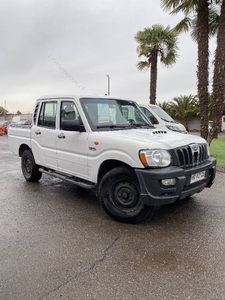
(217,150)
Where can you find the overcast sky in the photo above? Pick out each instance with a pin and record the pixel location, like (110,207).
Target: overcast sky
(68,47)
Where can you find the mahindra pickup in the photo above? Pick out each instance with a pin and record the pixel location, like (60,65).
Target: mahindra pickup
(108,144)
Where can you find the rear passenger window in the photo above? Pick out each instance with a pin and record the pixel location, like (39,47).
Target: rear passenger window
(35,112)
(47,116)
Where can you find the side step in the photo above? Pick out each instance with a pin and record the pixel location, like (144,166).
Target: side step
(72,179)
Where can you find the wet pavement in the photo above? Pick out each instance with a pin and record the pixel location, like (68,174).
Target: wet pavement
(57,243)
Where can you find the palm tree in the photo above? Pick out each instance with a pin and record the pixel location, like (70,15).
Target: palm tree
(156,42)
(210,106)
(219,76)
(200,8)
(183,108)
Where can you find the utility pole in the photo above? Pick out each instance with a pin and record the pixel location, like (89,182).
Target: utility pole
(108,85)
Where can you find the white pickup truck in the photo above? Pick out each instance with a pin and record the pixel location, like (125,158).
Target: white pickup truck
(109,145)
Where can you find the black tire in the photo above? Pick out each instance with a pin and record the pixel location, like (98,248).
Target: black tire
(119,195)
(29,167)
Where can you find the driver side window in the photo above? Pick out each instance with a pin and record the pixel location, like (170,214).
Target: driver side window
(69,113)
(149,115)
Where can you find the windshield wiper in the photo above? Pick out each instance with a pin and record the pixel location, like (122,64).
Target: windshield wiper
(128,126)
(165,120)
(172,121)
(111,126)
(141,126)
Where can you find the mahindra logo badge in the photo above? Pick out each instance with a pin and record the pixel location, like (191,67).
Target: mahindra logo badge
(195,150)
(194,147)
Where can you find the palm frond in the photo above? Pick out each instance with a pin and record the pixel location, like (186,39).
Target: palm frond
(143,65)
(213,22)
(183,26)
(184,107)
(176,6)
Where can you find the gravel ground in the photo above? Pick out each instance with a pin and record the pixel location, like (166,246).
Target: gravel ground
(220,168)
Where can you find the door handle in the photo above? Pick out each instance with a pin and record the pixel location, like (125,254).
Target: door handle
(61,136)
(38,132)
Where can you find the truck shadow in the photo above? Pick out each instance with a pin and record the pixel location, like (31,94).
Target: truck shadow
(59,191)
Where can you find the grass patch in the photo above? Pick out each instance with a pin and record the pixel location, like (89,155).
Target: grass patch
(217,150)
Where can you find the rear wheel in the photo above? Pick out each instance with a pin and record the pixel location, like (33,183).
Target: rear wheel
(120,196)
(29,167)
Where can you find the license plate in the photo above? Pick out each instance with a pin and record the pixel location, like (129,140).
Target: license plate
(197,177)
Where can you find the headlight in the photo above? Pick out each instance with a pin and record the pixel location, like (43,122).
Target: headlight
(175,128)
(155,158)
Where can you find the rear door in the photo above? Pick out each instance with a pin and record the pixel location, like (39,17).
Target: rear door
(43,136)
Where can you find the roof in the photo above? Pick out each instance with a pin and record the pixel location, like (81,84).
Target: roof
(64,96)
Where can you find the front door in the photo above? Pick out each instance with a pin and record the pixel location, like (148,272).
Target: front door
(72,145)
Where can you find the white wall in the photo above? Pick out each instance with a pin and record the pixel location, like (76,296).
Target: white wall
(194,124)
(223,123)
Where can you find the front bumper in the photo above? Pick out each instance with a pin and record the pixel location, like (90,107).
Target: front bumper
(154,193)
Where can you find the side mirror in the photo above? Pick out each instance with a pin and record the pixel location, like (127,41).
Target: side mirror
(72,125)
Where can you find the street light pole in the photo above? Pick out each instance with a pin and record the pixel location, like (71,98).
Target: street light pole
(108,84)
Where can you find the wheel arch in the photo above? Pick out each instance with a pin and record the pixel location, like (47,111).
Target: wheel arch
(108,165)
(22,148)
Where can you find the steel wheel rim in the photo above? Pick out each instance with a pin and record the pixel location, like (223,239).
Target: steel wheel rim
(27,166)
(125,196)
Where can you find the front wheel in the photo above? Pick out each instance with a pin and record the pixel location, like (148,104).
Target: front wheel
(29,167)
(120,196)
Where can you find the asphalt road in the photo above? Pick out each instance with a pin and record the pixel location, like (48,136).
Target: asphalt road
(57,243)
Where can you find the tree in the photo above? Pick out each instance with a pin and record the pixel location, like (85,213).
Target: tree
(210,104)
(183,108)
(200,8)
(3,111)
(156,42)
(218,76)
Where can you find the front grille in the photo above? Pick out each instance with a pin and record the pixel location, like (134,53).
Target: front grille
(191,155)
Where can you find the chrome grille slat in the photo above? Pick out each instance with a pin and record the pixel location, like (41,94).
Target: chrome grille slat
(187,158)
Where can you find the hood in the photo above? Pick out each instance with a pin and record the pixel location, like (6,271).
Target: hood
(153,138)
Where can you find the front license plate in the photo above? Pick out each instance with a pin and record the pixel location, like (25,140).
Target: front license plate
(197,177)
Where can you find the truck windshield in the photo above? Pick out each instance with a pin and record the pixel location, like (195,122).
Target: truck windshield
(113,114)
(162,114)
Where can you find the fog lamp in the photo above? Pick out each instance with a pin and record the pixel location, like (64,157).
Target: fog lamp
(169,181)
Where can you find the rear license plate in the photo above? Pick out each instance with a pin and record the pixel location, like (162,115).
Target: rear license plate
(197,177)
